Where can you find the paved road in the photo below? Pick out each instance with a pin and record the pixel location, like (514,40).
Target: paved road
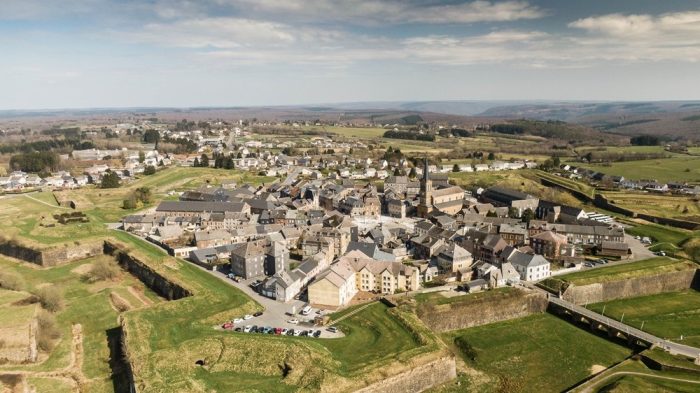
(644,336)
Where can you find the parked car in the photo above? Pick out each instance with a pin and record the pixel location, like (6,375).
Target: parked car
(588,264)
(332,329)
(297,333)
(290,332)
(278,331)
(254,329)
(237,320)
(661,253)
(284,331)
(293,321)
(304,333)
(227,326)
(257,314)
(247,328)
(317,333)
(247,317)
(238,329)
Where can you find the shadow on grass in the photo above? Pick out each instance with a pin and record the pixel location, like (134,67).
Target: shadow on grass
(120,376)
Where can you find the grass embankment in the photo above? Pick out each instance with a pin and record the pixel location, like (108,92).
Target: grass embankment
(674,242)
(633,376)
(567,183)
(85,303)
(539,353)
(435,298)
(619,272)
(667,315)
(674,206)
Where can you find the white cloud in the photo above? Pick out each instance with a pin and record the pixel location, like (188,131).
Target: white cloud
(391,11)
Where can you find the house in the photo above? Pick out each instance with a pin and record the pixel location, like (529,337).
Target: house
(530,267)
(334,287)
(453,258)
(248,260)
(381,276)
(548,243)
(513,234)
(614,249)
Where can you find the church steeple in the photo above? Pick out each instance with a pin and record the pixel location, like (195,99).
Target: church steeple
(425,205)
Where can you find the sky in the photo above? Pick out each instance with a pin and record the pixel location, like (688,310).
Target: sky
(191,53)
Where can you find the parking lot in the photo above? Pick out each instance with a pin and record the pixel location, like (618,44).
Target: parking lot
(276,314)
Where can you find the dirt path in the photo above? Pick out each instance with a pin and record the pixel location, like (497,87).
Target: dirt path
(597,381)
(72,374)
(46,203)
(139,295)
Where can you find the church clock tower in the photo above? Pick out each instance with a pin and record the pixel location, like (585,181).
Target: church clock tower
(425,204)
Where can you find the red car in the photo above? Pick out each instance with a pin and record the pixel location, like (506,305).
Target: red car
(278,331)
(227,326)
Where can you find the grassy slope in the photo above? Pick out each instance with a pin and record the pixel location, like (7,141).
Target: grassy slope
(667,315)
(537,353)
(627,270)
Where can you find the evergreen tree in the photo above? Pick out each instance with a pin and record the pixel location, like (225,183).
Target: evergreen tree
(204,161)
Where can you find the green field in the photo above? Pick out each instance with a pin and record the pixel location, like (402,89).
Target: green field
(667,315)
(675,206)
(539,353)
(680,168)
(25,214)
(660,234)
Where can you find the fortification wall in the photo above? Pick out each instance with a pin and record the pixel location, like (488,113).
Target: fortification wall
(638,286)
(417,379)
(462,315)
(52,256)
(146,274)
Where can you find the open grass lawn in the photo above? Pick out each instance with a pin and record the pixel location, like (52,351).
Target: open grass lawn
(436,298)
(627,270)
(374,330)
(659,205)
(85,303)
(667,315)
(660,234)
(680,168)
(539,353)
(568,183)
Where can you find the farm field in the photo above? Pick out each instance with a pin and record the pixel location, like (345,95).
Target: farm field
(668,315)
(680,168)
(506,352)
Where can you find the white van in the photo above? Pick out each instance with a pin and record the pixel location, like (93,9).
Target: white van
(306,310)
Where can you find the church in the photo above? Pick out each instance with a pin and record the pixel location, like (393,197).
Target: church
(447,200)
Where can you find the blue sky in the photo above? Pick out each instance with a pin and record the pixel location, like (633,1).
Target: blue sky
(126,53)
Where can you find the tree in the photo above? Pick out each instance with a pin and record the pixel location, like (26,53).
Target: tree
(491,213)
(204,161)
(455,168)
(527,215)
(130,203)
(491,156)
(149,170)
(151,136)
(142,156)
(110,180)
(412,173)
(143,194)
(556,161)
(196,162)
(512,212)
(397,172)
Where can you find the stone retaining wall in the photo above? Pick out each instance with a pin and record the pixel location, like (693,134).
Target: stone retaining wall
(417,379)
